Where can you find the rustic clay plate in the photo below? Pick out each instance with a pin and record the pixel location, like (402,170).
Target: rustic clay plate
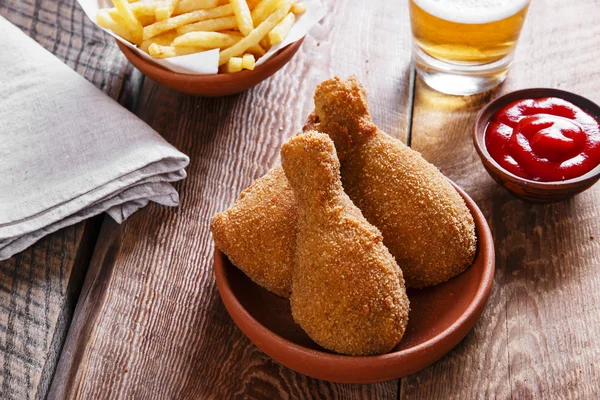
(212,85)
(440,317)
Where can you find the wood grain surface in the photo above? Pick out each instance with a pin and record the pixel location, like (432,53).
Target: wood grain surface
(155,327)
(150,324)
(538,336)
(39,287)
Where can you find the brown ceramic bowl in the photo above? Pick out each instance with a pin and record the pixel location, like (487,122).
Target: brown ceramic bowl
(525,188)
(440,317)
(212,85)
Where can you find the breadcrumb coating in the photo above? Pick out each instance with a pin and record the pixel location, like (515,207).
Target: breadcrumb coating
(425,223)
(258,232)
(348,293)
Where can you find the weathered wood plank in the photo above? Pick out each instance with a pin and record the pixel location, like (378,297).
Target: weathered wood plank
(39,287)
(160,330)
(537,337)
(86,313)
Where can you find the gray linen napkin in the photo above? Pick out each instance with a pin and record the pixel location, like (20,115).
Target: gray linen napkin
(68,151)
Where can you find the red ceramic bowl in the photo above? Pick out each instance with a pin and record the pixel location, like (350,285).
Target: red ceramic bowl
(440,317)
(521,187)
(212,85)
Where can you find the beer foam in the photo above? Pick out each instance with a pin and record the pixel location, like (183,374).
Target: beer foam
(472,11)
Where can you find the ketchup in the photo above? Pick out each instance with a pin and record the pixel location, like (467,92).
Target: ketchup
(546,139)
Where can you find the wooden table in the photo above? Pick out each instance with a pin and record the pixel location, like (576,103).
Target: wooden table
(147,321)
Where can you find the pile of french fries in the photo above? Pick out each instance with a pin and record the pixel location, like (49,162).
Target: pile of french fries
(243,30)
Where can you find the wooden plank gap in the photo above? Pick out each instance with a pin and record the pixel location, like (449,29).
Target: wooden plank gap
(411,103)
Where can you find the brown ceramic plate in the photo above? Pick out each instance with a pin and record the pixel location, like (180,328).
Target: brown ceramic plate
(440,317)
(212,85)
(525,188)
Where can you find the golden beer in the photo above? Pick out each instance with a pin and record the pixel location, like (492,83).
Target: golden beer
(467,31)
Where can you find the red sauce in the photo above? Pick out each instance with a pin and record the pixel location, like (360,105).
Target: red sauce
(547,139)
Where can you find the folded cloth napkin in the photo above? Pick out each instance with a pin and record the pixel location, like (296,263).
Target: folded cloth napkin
(68,151)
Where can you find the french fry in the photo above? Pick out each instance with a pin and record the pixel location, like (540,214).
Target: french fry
(143,8)
(210,25)
(243,29)
(263,9)
(264,43)
(257,33)
(186,6)
(132,24)
(243,16)
(165,10)
(104,20)
(234,64)
(164,39)
(252,3)
(146,20)
(282,29)
(207,40)
(248,61)
(174,22)
(257,50)
(158,51)
(116,15)
(299,8)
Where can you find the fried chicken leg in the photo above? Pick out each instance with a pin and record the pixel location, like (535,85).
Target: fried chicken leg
(348,293)
(424,221)
(258,232)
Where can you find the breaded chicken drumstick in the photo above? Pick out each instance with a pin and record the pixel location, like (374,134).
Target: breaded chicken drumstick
(424,222)
(348,293)
(258,232)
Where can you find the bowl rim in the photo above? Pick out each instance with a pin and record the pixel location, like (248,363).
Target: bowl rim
(485,249)
(215,78)
(495,105)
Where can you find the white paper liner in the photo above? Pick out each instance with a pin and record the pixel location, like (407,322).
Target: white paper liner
(207,62)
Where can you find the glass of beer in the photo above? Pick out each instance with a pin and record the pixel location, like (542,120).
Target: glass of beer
(463,47)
